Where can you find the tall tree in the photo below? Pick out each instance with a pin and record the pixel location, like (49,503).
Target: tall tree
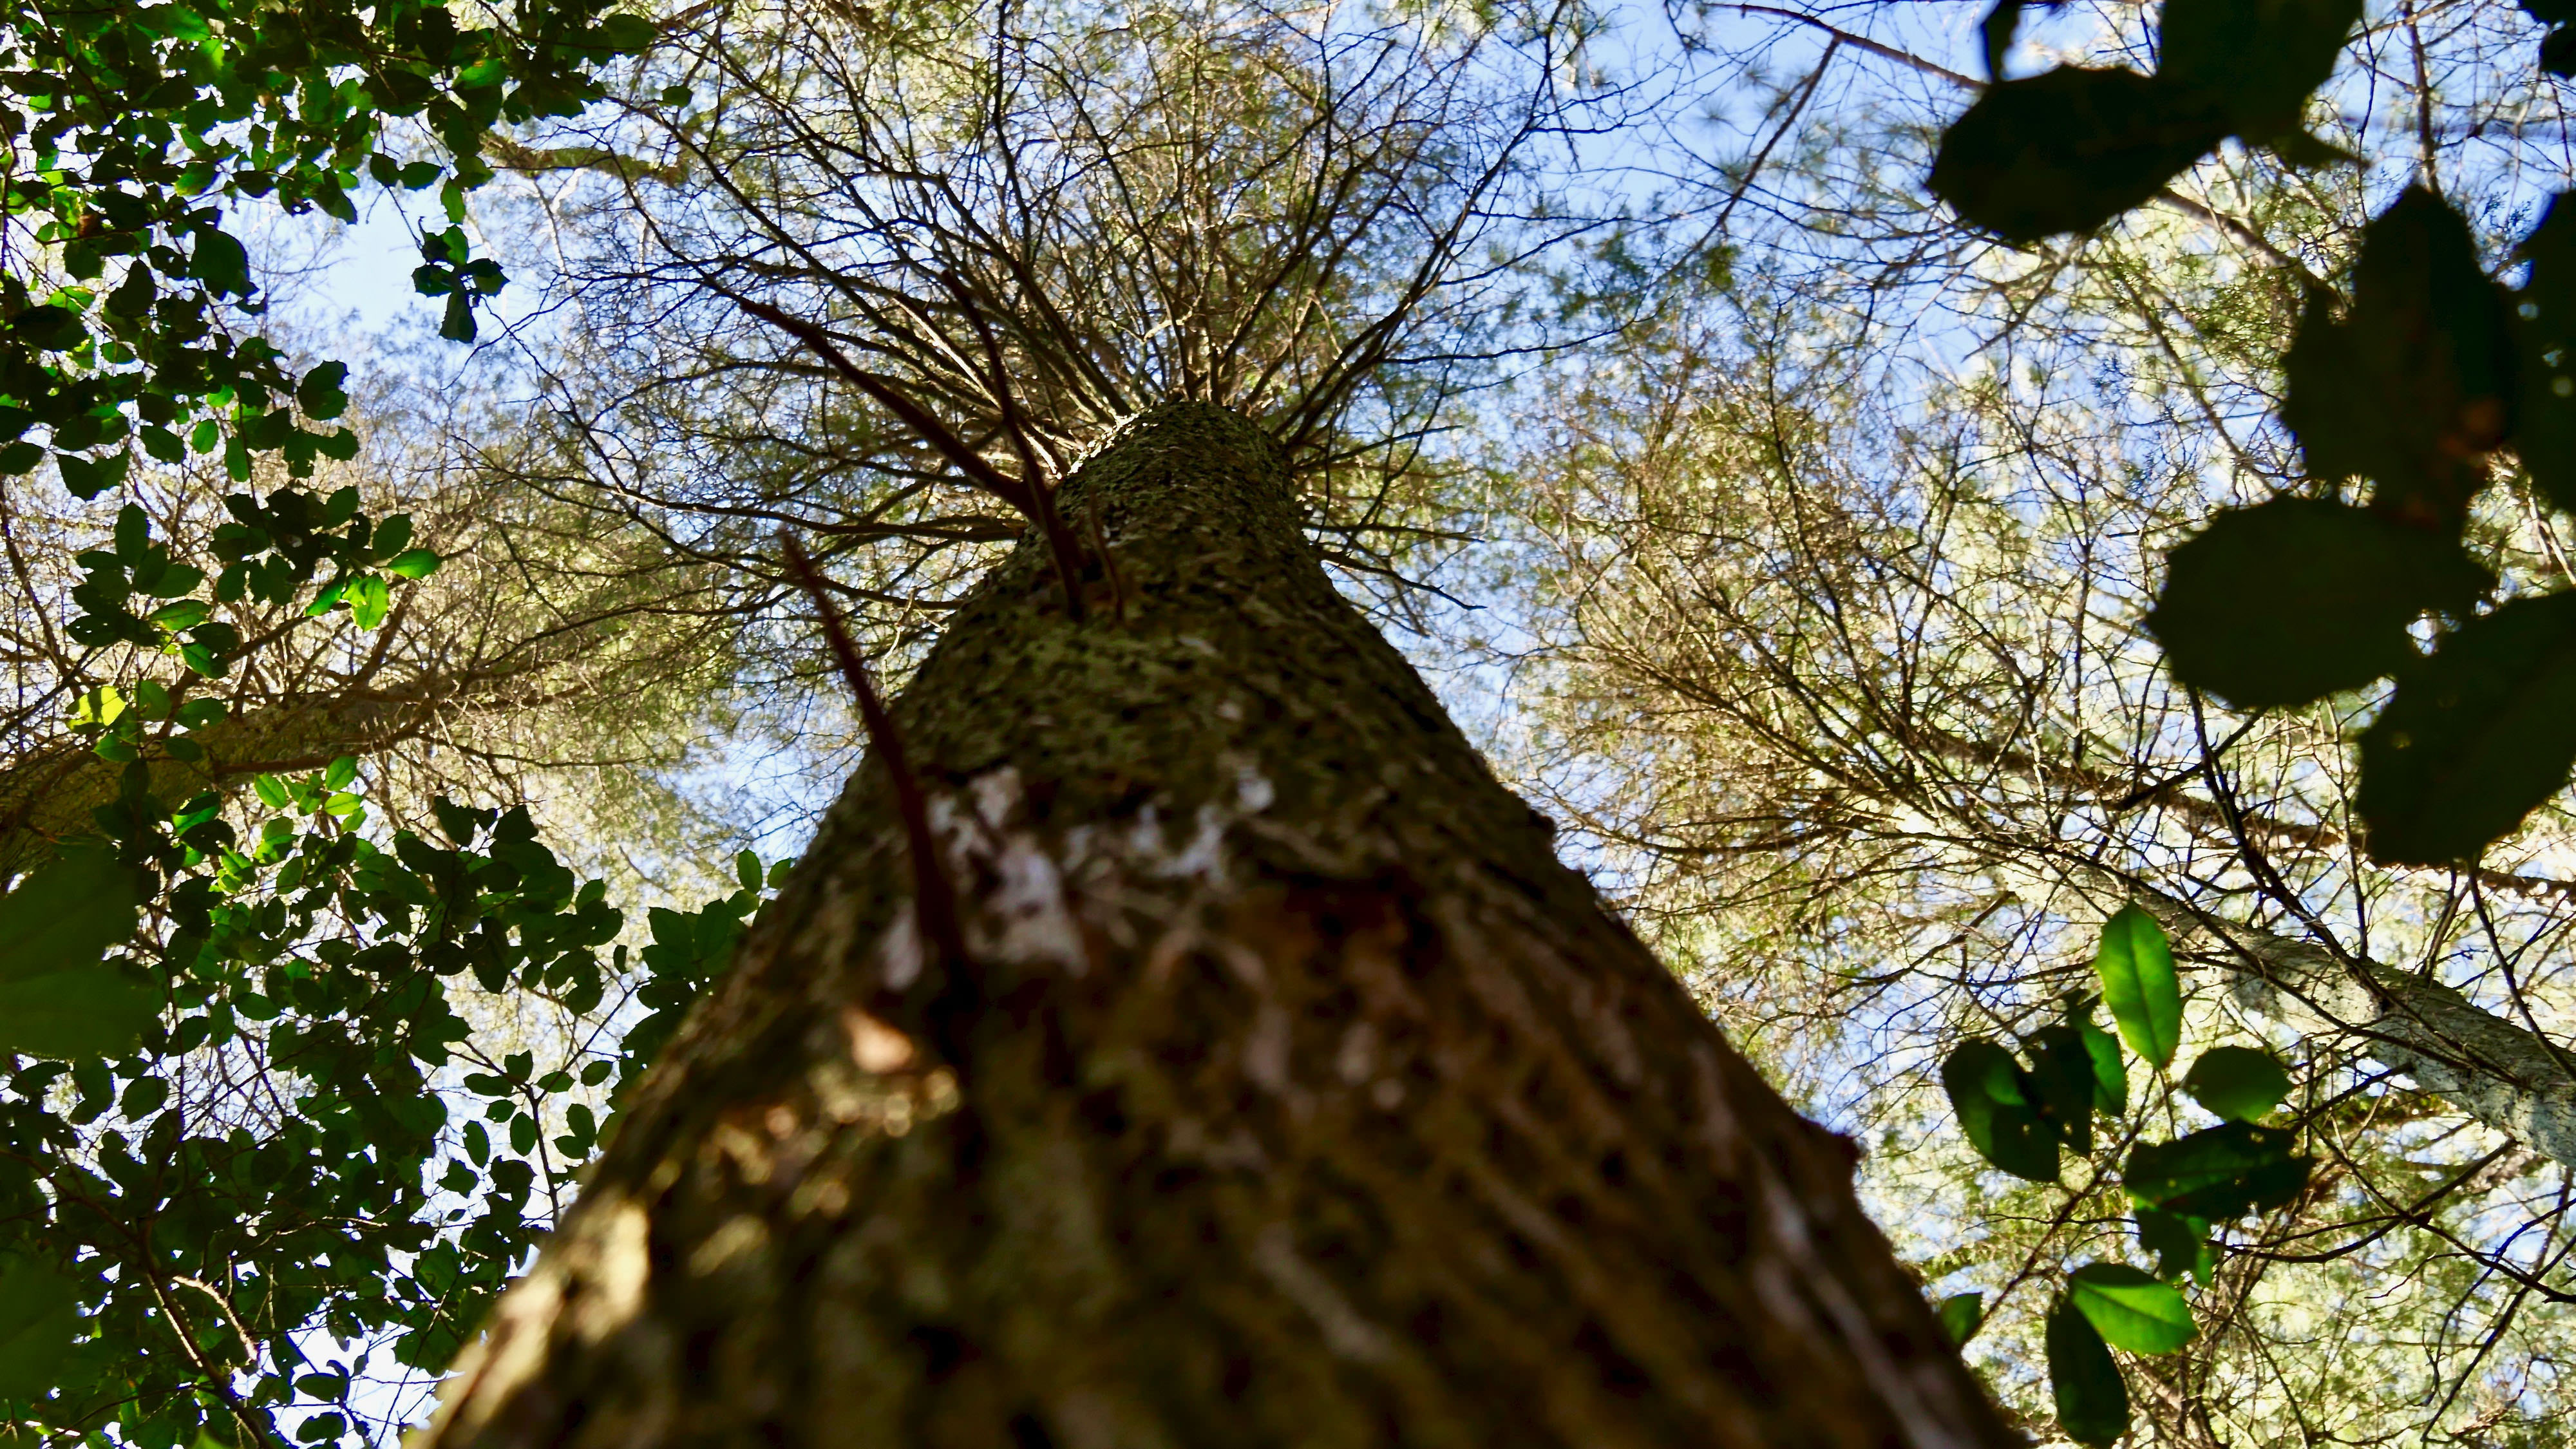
(1180,1036)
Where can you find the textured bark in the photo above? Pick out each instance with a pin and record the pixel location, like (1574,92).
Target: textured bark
(1295,1094)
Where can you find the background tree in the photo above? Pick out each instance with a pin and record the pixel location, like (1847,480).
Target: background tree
(1857,594)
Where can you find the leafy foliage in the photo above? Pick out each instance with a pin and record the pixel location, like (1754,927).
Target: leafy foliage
(199,1242)
(2427,370)
(2020,1118)
(135,126)
(2073,147)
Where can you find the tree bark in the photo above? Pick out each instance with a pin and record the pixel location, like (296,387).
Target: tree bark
(1291,1092)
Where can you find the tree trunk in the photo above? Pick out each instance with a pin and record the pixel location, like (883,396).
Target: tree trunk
(1292,1092)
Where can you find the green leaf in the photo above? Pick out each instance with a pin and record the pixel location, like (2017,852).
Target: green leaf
(2180,1243)
(2092,1399)
(391,536)
(2217,1173)
(369,600)
(2110,1069)
(2131,1309)
(2062,1083)
(418,563)
(2257,59)
(2067,150)
(221,263)
(39,1313)
(271,791)
(458,323)
(143,1097)
(2292,600)
(1961,1314)
(627,34)
(2475,736)
(340,773)
(1987,1090)
(185,614)
(2139,986)
(2545,429)
(321,392)
(2419,378)
(746,869)
(64,916)
(2238,1083)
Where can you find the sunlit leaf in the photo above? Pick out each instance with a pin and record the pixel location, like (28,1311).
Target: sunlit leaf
(2131,1309)
(2138,984)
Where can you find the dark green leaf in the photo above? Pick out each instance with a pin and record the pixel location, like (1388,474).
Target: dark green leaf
(64,916)
(185,614)
(2292,600)
(2474,737)
(1987,1089)
(2419,378)
(2131,1309)
(38,1316)
(2110,1069)
(1961,1314)
(2558,47)
(2258,59)
(2092,1400)
(2069,149)
(458,323)
(2545,429)
(2138,984)
(2181,1244)
(2239,1083)
(2217,1173)
(94,1010)
(220,262)
(2062,1082)
(627,34)
(320,393)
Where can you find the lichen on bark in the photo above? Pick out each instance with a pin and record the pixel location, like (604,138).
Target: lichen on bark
(1308,1099)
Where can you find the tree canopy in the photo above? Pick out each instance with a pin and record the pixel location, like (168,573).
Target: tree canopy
(2025,542)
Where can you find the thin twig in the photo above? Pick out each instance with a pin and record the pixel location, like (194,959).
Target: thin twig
(956,996)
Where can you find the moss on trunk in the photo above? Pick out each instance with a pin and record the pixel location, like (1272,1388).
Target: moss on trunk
(1307,1099)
